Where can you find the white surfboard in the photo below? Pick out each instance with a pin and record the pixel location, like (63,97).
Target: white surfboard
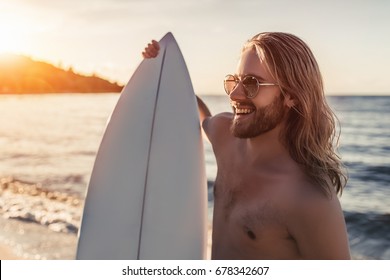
(147,194)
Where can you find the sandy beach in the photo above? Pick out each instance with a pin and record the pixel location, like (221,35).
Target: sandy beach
(34,242)
(6,253)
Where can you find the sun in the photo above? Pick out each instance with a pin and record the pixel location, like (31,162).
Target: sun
(13,35)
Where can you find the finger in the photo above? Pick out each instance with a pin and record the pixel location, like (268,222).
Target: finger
(152,47)
(145,55)
(156,45)
(151,52)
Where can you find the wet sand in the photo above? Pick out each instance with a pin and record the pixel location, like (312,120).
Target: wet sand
(6,253)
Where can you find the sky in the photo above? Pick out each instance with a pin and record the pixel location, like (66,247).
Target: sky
(350,38)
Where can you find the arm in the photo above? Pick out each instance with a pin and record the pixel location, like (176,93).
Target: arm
(204,111)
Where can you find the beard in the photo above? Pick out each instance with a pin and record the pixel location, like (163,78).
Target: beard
(260,121)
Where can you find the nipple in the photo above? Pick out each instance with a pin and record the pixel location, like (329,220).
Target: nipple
(251,235)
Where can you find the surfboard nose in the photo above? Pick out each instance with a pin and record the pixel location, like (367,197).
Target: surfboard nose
(167,39)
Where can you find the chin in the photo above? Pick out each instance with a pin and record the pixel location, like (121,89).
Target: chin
(242,131)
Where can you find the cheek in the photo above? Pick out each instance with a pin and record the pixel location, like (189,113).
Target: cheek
(266,98)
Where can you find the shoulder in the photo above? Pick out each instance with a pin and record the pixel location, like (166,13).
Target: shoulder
(304,201)
(217,126)
(308,201)
(316,222)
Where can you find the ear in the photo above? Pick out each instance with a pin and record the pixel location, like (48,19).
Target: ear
(288,101)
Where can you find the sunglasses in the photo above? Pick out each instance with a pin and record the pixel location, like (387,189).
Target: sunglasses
(251,85)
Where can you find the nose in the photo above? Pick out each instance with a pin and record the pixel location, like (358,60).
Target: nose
(238,93)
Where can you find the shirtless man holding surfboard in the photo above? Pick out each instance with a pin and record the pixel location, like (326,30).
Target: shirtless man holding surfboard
(278,174)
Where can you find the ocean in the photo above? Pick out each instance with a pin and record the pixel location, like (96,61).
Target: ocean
(48,144)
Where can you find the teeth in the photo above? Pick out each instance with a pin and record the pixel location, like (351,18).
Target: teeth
(243,111)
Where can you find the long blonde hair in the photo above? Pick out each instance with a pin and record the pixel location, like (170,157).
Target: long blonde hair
(310,132)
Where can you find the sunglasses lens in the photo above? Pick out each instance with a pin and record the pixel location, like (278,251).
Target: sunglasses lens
(251,86)
(229,83)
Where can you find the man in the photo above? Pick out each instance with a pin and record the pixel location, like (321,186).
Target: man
(275,193)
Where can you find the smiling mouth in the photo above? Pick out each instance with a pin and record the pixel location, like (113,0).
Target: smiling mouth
(242,110)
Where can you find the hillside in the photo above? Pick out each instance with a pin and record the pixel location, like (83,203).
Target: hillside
(21,74)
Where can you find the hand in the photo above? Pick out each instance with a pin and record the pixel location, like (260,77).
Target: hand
(151,50)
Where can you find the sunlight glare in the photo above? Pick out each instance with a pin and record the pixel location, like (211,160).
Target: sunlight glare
(13,35)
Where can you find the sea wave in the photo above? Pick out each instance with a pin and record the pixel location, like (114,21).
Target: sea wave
(28,202)
(380,174)
(69,179)
(369,234)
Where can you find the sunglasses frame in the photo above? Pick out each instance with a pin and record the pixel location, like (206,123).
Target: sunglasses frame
(237,80)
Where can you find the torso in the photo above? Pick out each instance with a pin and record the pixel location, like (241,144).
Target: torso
(250,204)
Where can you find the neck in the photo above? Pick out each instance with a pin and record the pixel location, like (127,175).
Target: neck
(267,146)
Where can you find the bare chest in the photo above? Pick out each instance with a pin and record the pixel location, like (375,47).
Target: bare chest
(246,204)
(248,219)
